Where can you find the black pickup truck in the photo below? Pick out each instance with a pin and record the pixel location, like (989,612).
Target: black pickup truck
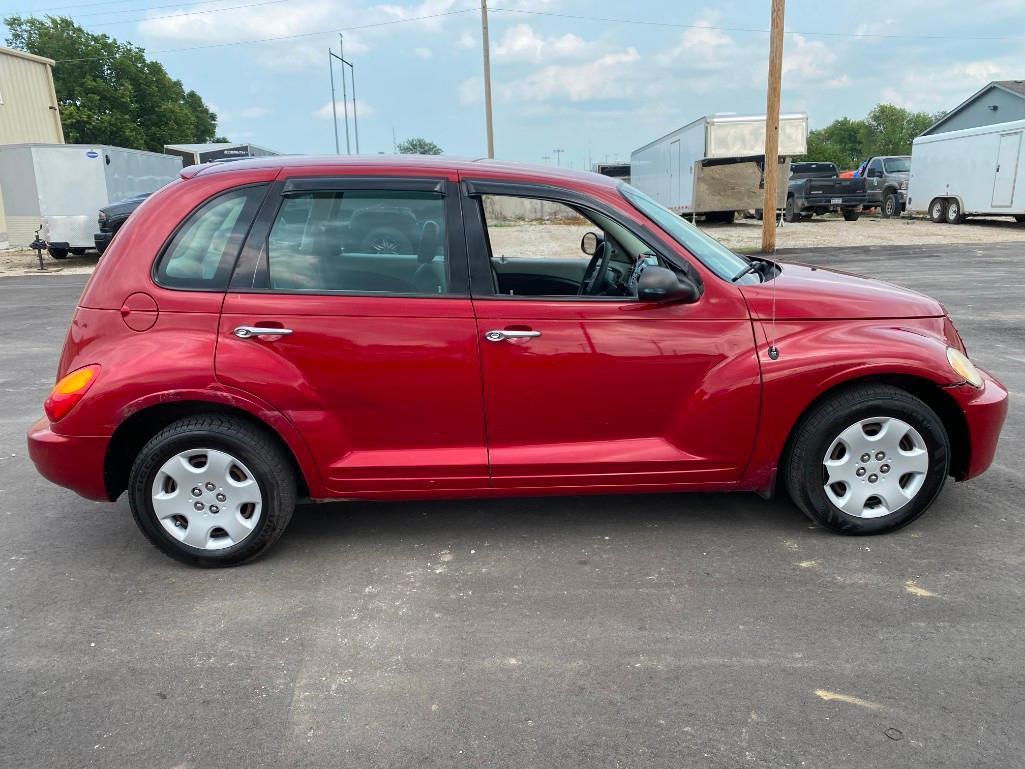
(816,188)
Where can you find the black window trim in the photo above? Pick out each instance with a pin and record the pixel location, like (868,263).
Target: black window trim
(236,241)
(251,265)
(478,245)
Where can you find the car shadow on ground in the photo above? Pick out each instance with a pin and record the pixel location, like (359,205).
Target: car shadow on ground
(328,524)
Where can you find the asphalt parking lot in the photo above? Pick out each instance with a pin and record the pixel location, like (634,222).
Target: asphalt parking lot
(668,631)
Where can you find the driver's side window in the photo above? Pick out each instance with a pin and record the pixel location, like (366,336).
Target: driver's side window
(539,248)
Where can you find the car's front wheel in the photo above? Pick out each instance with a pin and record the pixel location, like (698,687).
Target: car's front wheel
(867,460)
(212,490)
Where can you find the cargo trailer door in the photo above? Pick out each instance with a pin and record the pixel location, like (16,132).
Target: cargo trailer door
(1007,169)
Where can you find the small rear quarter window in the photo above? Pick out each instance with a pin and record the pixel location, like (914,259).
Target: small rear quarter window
(202,253)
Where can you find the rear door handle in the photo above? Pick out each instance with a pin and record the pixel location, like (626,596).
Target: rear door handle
(501,336)
(248,332)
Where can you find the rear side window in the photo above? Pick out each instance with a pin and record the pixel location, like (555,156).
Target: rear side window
(387,242)
(202,253)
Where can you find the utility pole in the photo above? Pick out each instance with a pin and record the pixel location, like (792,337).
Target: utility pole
(345,98)
(558,156)
(772,128)
(547,159)
(487,76)
(334,109)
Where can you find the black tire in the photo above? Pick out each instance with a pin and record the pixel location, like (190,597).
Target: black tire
(269,464)
(803,470)
(386,240)
(954,214)
(891,206)
(1020,218)
(851,214)
(57,253)
(938,211)
(790,212)
(78,251)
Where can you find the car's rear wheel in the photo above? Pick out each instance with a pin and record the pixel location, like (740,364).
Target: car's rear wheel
(1020,218)
(851,214)
(790,212)
(867,460)
(954,213)
(57,253)
(212,491)
(938,211)
(78,251)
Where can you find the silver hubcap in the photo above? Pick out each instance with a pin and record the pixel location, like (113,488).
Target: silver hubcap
(206,499)
(875,467)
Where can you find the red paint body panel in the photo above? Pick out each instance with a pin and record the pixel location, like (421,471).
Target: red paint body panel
(401,397)
(385,391)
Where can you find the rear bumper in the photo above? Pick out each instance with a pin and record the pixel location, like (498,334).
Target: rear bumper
(984,410)
(73,462)
(102,240)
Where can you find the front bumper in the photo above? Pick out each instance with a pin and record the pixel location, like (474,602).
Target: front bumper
(74,462)
(984,409)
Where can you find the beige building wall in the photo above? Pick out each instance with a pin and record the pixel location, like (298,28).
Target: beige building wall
(28,103)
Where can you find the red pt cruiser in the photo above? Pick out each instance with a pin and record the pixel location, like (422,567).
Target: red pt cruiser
(297,328)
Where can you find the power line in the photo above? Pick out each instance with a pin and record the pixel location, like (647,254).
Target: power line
(177,15)
(287,37)
(39,11)
(669,24)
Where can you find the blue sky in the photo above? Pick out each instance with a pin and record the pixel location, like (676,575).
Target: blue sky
(595,88)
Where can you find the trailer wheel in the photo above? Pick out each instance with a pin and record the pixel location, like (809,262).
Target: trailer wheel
(938,211)
(851,214)
(891,207)
(57,253)
(78,251)
(954,213)
(790,212)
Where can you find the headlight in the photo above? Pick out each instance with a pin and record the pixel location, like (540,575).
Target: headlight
(903,185)
(103,216)
(964,367)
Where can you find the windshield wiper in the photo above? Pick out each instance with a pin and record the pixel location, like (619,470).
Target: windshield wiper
(755,264)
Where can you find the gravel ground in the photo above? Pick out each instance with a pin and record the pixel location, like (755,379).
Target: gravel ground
(744,235)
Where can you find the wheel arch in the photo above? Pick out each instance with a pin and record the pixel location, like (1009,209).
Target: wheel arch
(926,390)
(131,435)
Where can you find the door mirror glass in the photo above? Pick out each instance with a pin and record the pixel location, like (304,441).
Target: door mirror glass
(660,284)
(874,173)
(589,243)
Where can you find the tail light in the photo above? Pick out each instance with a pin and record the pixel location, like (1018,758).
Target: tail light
(69,391)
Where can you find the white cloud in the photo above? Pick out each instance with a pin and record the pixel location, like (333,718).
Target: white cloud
(604,78)
(362,110)
(522,43)
(423,53)
(945,84)
(250,113)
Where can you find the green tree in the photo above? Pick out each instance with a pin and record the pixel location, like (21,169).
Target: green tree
(419,146)
(108,91)
(887,130)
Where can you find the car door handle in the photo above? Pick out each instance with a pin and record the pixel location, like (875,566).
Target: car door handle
(248,332)
(501,336)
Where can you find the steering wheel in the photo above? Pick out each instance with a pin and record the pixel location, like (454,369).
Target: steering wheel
(594,275)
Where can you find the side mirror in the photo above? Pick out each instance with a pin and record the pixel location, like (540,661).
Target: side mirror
(589,243)
(659,284)
(874,173)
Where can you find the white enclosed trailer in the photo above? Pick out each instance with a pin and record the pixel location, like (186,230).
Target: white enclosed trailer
(974,171)
(62,187)
(715,164)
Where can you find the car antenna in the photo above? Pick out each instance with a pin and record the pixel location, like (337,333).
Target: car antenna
(773,350)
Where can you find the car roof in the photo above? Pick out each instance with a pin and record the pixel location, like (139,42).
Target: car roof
(293,165)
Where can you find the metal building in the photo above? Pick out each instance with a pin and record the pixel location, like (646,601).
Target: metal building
(28,107)
(1001,101)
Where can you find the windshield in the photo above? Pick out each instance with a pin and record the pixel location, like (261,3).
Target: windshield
(897,165)
(711,252)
